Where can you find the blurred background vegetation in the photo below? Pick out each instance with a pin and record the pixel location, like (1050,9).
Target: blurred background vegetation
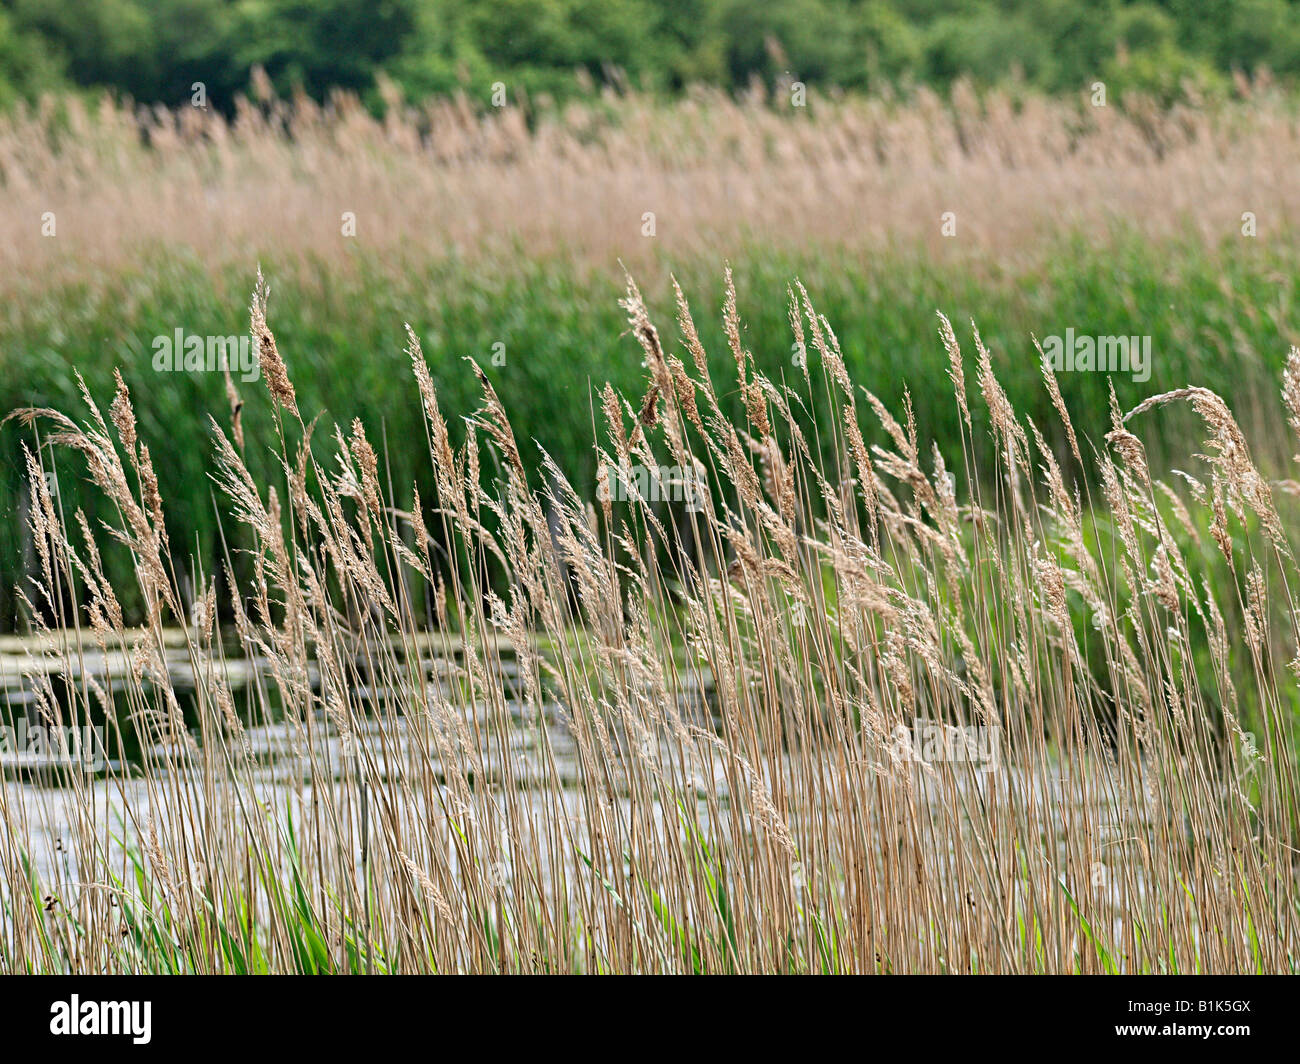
(155,50)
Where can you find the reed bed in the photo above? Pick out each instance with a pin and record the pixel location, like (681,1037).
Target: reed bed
(503,228)
(579,728)
(456,178)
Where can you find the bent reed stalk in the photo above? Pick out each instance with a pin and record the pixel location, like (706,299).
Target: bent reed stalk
(513,730)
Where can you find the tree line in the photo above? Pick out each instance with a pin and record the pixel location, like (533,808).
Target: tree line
(155,51)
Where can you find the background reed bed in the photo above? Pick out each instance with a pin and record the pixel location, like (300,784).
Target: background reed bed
(623,734)
(452,178)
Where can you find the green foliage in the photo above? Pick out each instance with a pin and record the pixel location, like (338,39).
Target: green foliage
(1215,318)
(27,64)
(154,50)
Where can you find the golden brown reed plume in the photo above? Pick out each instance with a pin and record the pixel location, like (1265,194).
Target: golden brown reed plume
(488,180)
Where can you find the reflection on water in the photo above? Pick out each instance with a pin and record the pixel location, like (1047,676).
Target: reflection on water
(384,756)
(284,765)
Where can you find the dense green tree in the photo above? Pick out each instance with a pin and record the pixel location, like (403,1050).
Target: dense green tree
(321,44)
(154,50)
(28,64)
